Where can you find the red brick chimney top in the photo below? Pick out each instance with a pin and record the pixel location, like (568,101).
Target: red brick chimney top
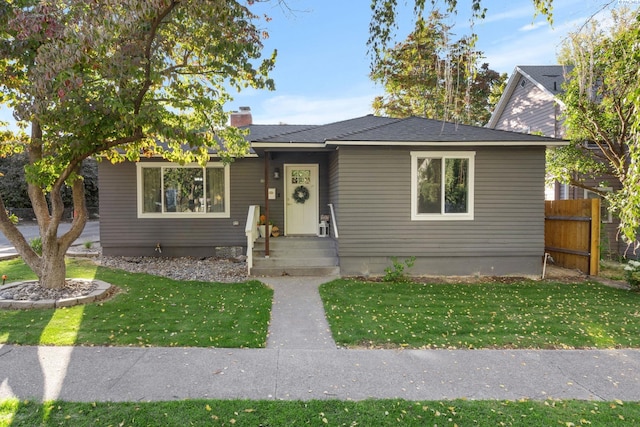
(242,117)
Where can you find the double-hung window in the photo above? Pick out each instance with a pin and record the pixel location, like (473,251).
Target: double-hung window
(170,190)
(442,185)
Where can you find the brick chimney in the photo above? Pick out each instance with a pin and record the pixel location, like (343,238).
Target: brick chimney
(242,117)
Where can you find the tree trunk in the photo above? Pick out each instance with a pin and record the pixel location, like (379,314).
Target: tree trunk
(52,269)
(50,266)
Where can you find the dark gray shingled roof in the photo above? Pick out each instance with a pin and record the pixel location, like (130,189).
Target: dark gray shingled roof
(550,76)
(265,132)
(384,129)
(322,133)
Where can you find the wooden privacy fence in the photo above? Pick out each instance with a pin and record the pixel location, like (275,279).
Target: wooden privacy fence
(572,233)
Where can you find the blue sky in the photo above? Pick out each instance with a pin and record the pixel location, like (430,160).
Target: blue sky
(322,68)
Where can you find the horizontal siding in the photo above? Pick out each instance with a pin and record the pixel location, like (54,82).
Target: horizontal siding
(121,227)
(530,110)
(334,187)
(375,206)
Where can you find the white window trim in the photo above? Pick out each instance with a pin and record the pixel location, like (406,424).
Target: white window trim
(467,216)
(227,209)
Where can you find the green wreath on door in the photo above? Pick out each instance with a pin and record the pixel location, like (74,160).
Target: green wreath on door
(301,194)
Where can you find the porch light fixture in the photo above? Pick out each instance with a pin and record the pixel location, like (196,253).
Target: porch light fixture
(276,173)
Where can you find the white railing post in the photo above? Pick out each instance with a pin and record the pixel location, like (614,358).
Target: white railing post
(334,221)
(251,231)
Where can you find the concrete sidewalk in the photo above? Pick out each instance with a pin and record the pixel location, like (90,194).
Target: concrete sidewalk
(147,374)
(301,362)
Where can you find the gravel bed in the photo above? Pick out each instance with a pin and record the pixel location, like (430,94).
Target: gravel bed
(32,291)
(184,268)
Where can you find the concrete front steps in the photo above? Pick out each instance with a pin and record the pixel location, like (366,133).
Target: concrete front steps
(296,256)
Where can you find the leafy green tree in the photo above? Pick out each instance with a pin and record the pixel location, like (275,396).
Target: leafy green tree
(385,17)
(114,80)
(13,184)
(430,76)
(602,117)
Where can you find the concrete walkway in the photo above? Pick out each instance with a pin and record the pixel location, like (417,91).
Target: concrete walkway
(297,316)
(301,362)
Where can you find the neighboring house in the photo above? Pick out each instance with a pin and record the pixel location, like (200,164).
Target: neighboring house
(530,104)
(462,199)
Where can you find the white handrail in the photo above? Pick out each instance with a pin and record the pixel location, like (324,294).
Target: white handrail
(251,231)
(334,221)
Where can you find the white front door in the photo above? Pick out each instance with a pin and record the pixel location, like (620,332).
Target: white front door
(301,209)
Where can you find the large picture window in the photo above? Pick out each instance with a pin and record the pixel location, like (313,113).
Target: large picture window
(189,191)
(442,185)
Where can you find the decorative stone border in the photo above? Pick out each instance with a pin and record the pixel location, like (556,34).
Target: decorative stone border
(101,288)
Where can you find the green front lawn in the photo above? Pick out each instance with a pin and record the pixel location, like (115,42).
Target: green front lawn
(524,314)
(147,311)
(320,413)
(156,311)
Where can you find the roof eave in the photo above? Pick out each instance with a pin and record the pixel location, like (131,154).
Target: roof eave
(504,98)
(547,143)
(214,155)
(541,87)
(508,91)
(315,145)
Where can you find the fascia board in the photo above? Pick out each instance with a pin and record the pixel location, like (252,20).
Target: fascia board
(541,87)
(288,145)
(504,99)
(558,143)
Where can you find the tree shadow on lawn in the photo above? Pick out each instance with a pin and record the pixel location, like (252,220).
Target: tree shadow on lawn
(146,311)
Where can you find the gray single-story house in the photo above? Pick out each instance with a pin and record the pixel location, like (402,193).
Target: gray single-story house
(462,200)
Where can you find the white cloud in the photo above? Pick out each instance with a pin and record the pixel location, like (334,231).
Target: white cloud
(536,46)
(570,25)
(520,12)
(533,26)
(291,109)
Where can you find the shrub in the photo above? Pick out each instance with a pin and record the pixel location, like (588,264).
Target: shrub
(396,273)
(632,274)
(36,245)
(13,185)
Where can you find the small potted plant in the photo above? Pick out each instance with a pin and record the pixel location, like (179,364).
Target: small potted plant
(262,225)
